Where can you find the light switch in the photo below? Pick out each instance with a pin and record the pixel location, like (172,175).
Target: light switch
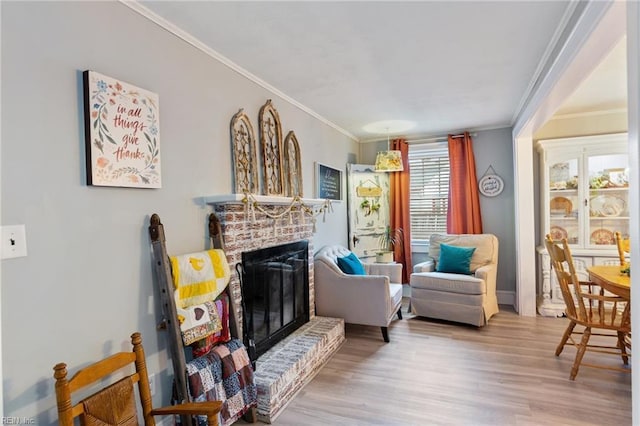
(14,241)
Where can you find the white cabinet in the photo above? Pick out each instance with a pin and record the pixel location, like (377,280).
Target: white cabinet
(584,198)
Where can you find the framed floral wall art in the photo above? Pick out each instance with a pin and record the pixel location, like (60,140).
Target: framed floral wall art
(122,133)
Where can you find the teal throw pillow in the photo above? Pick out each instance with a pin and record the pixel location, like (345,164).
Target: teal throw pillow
(351,265)
(454,259)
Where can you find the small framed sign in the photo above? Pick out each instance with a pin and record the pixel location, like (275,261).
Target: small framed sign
(328,182)
(490,185)
(122,133)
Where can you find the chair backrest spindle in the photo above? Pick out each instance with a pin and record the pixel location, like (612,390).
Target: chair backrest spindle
(567,277)
(623,248)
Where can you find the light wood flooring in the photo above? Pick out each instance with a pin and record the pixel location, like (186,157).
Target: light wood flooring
(439,373)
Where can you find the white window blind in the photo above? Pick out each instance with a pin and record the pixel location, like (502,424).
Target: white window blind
(429,180)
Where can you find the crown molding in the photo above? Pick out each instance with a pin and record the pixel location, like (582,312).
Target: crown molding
(431,137)
(178,32)
(571,115)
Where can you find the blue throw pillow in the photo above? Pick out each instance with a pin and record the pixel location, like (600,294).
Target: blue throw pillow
(454,259)
(351,265)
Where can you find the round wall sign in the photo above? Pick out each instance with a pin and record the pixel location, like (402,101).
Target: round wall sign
(490,185)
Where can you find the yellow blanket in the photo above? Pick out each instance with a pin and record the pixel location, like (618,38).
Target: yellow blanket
(199,277)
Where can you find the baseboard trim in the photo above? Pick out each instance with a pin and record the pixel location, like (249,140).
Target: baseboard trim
(406,290)
(506,297)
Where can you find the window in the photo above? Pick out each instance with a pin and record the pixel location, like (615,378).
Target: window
(429,186)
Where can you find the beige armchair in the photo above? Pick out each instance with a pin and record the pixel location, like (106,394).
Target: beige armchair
(457,297)
(371,299)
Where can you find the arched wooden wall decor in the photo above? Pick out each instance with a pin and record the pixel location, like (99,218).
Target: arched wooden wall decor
(243,143)
(292,165)
(271,142)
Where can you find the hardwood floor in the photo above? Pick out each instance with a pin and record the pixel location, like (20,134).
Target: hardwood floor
(439,373)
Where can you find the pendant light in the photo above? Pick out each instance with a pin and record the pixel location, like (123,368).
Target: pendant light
(389,160)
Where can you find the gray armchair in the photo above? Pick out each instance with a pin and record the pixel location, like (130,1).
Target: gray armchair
(458,297)
(371,299)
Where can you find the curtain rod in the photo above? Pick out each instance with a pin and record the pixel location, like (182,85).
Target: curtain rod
(438,138)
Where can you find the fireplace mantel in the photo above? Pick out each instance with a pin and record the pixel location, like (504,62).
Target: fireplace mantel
(262,199)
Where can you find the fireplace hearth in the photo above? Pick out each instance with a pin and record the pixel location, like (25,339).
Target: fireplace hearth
(284,369)
(275,282)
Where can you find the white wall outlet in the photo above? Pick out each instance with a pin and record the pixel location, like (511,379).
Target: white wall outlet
(14,241)
(152,383)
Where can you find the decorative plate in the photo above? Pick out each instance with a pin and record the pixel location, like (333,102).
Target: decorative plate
(560,206)
(606,205)
(602,237)
(558,233)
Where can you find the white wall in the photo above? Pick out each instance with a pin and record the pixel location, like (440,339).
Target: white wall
(633,98)
(86,283)
(599,123)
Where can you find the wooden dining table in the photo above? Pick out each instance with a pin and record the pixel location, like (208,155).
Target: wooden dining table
(610,278)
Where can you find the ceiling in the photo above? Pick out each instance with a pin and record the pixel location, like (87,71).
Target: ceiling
(445,65)
(604,89)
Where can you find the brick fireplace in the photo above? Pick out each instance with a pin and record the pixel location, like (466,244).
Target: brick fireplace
(290,364)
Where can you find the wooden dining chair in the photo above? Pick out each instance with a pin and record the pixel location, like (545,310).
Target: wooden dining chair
(623,248)
(587,306)
(115,403)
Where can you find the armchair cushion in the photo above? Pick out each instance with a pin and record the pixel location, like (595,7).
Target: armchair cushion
(455,259)
(453,283)
(486,247)
(351,265)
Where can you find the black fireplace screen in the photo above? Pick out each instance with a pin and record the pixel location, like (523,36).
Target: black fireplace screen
(275,283)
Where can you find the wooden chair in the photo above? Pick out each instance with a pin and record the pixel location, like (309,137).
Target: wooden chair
(623,248)
(588,306)
(115,404)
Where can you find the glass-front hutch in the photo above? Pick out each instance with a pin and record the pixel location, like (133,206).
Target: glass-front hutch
(584,184)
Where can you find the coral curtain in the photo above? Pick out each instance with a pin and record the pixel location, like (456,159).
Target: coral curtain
(463,212)
(399,215)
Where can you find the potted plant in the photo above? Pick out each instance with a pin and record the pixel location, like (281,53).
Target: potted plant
(388,241)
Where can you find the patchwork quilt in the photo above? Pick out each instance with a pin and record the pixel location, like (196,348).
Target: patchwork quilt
(224,374)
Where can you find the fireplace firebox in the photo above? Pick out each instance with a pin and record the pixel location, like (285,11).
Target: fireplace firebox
(275,287)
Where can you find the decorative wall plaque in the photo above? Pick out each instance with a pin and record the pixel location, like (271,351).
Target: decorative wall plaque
(328,182)
(243,145)
(292,165)
(490,184)
(122,133)
(271,143)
